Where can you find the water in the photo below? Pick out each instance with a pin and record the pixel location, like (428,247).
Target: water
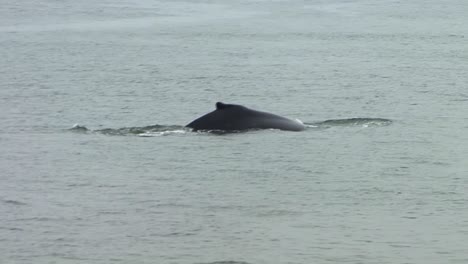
(379,176)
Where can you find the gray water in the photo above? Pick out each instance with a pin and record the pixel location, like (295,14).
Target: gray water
(379,176)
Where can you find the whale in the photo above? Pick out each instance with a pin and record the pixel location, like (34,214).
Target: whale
(233,117)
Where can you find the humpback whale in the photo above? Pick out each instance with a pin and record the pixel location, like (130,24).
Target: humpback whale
(232,117)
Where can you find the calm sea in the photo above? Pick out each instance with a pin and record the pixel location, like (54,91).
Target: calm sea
(96,166)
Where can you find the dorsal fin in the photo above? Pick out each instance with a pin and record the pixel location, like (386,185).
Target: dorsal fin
(221,105)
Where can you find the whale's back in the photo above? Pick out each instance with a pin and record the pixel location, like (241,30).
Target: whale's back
(231,117)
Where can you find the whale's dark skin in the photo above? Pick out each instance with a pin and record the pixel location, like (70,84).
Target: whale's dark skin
(231,117)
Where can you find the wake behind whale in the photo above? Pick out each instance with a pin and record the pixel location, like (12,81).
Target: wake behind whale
(144,131)
(231,118)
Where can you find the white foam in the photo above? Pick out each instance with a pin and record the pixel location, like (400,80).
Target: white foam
(162,133)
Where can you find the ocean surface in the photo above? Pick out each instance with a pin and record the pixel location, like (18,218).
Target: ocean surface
(97,167)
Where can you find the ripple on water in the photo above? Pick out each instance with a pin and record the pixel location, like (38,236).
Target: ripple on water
(356,121)
(278,213)
(225,262)
(13,202)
